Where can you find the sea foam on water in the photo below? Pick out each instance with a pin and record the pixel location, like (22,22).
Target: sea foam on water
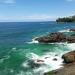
(45,62)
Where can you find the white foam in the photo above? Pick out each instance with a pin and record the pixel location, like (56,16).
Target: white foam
(4,58)
(67,30)
(24,73)
(33,41)
(32,56)
(71,46)
(47,62)
(11,70)
(25,65)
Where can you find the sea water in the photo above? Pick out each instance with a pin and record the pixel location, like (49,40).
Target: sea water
(19,50)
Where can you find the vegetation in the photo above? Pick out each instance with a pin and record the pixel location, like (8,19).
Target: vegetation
(66,19)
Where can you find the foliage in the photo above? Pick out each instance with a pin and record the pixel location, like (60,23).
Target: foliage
(66,19)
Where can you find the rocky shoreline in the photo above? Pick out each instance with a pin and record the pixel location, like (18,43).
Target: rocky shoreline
(69,65)
(57,37)
(69,58)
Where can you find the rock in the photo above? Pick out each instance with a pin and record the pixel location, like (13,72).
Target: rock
(56,37)
(53,37)
(69,57)
(70,39)
(73,30)
(40,60)
(47,57)
(56,55)
(69,66)
(55,59)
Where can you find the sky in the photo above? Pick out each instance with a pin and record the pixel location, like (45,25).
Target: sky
(35,10)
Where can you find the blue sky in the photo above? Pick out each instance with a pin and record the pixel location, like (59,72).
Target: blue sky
(35,10)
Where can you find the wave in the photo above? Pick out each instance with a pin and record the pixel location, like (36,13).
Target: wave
(67,30)
(44,63)
(71,46)
(48,61)
(4,58)
(33,41)
(36,42)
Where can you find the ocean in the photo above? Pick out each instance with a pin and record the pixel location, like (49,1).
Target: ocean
(18,48)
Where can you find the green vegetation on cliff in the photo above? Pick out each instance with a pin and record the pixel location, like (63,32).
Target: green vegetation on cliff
(66,19)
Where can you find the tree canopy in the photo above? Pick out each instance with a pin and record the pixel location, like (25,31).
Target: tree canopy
(66,19)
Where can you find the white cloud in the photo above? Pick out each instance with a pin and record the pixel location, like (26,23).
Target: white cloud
(28,18)
(7,1)
(70,0)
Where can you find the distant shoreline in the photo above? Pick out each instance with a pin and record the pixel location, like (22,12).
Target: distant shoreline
(66,19)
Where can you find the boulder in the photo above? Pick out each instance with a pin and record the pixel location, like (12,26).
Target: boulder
(69,57)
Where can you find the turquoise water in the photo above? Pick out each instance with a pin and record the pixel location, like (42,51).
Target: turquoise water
(16,49)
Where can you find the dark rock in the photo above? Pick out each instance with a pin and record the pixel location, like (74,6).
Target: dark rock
(40,60)
(47,57)
(32,64)
(56,55)
(69,66)
(53,37)
(70,39)
(73,30)
(56,37)
(55,59)
(69,57)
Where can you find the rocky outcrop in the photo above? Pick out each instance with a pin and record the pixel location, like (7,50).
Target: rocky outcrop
(56,37)
(53,37)
(70,39)
(69,57)
(69,66)
(73,30)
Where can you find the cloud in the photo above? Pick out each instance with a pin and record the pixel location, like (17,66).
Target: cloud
(28,18)
(7,1)
(70,0)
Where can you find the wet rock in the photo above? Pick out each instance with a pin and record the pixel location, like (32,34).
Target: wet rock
(70,39)
(73,30)
(47,57)
(32,64)
(69,66)
(56,55)
(40,60)
(69,57)
(55,59)
(56,37)
(53,37)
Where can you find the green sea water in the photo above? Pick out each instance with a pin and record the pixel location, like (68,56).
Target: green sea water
(16,46)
